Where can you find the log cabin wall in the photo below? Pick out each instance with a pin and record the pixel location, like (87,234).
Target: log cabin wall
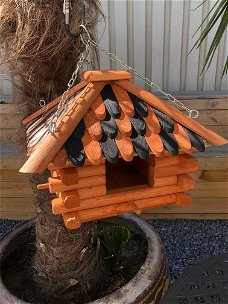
(73,185)
(125,187)
(209,198)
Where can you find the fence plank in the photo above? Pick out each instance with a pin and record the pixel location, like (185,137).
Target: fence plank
(199,205)
(192,216)
(209,198)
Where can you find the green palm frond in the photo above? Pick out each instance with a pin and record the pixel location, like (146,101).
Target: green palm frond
(220,12)
(114,240)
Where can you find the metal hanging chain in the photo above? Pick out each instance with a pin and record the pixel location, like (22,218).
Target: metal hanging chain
(89,42)
(52,124)
(193,113)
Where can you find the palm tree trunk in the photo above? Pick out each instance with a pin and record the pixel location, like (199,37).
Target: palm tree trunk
(67,263)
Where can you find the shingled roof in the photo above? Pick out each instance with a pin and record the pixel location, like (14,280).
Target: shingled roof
(107,116)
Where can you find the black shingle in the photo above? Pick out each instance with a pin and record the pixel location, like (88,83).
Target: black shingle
(139,104)
(109,148)
(138,123)
(169,142)
(80,129)
(109,126)
(196,140)
(37,132)
(165,121)
(75,151)
(140,145)
(111,104)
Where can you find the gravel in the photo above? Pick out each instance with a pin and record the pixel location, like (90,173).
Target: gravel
(7,225)
(186,242)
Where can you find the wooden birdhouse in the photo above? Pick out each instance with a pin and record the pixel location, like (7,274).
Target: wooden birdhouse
(117,148)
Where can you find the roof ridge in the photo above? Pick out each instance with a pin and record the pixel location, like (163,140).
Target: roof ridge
(49,145)
(54,102)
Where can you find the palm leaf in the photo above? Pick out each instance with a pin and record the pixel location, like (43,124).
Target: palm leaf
(225,69)
(114,239)
(219,33)
(220,9)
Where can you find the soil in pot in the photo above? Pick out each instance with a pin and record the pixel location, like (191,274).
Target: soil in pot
(17,270)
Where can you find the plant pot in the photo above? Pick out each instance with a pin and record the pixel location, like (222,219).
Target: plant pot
(147,286)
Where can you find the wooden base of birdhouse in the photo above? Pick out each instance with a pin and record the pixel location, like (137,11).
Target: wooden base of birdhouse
(95,192)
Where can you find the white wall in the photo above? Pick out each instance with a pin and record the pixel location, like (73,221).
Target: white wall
(5,81)
(155,37)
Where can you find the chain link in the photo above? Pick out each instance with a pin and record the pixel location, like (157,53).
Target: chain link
(193,113)
(42,103)
(52,124)
(89,42)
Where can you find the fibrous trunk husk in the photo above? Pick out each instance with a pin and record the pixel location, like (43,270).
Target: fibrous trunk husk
(67,263)
(34,42)
(42,57)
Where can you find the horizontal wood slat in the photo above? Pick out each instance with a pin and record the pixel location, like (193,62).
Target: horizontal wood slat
(206,103)
(219,103)
(207,118)
(207,205)
(74,219)
(209,197)
(185,216)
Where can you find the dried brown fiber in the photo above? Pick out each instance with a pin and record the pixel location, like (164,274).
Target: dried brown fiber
(41,58)
(37,48)
(67,264)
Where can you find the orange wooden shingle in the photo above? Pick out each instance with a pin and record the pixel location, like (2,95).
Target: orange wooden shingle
(124,124)
(93,125)
(154,142)
(99,108)
(125,147)
(152,121)
(92,149)
(188,151)
(181,137)
(124,100)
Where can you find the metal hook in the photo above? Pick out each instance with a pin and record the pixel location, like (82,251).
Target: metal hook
(66,11)
(193,113)
(83,28)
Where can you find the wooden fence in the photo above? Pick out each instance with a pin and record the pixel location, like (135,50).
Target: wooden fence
(210,199)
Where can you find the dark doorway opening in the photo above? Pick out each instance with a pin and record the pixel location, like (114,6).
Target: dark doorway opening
(123,174)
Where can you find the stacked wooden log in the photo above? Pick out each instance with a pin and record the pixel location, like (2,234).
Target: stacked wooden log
(82,193)
(210,197)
